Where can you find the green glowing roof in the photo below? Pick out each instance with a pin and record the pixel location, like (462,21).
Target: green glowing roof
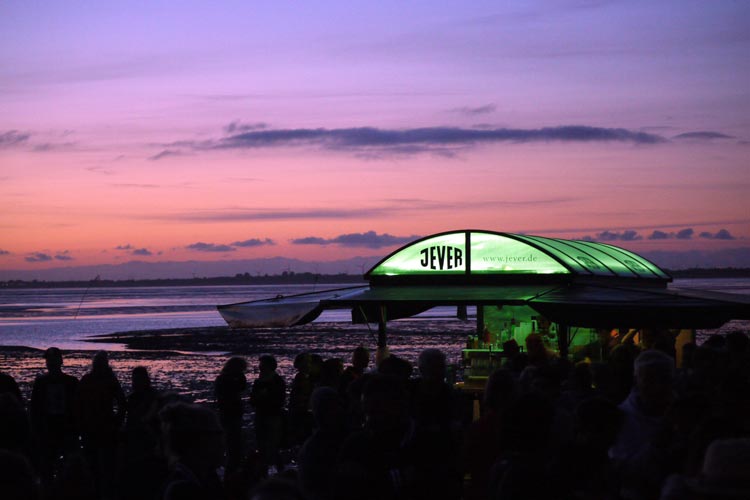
(489,253)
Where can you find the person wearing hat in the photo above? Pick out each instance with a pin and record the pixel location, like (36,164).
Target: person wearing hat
(52,412)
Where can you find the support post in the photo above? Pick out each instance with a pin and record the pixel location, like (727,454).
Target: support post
(382,334)
(461,312)
(382,351)
(563,338)
(480,321)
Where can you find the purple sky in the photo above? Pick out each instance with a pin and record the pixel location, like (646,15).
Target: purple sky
(168,131)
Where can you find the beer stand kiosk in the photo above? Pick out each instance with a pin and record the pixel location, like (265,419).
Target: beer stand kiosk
(569,294)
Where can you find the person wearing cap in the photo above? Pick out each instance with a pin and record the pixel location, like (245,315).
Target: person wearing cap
(52,412)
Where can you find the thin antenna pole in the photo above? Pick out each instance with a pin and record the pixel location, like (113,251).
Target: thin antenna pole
(84,295)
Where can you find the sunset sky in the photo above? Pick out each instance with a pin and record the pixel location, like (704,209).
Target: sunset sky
(174,131)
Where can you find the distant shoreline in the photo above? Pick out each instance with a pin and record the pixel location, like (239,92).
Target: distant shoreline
(239,280)
(722,272)
(293,278)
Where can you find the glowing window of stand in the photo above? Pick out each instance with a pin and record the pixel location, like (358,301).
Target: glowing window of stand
(444,254)
(492,253)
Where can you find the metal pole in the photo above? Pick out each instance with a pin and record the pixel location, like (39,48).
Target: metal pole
(461,312)
(563,335)
(480,320)
(382,335)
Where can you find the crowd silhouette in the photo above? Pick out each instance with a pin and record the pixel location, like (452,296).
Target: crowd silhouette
(630,426)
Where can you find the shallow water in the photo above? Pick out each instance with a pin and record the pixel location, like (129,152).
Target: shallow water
(64,317)
(40,318)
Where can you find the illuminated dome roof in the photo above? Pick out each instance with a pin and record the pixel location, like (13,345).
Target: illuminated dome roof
(476,255)
(574,283)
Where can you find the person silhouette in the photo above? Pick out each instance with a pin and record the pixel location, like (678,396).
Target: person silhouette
(267,397)
(317,458)
(100,408)
(194,444)
(139,451)
(360,362)
(300,417)
(52,413)
(377,461)
(638,452)
(8,385)
(140,400)
(228,388)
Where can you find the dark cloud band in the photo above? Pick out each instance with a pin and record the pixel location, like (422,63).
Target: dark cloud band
(682,234)
(253,242)
(209,247)
(38,257)
(369,239)
(164,154)
(628,235)
(250,215)
(721,234)
(212,247)
(703,135)
(44,257)
(478,110)
(13,138)
(374,143)
(366,137)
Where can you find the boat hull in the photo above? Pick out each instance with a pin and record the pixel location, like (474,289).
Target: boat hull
(281,311)
(269,315)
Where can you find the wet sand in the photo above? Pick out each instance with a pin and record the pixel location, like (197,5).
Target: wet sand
(188,360)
